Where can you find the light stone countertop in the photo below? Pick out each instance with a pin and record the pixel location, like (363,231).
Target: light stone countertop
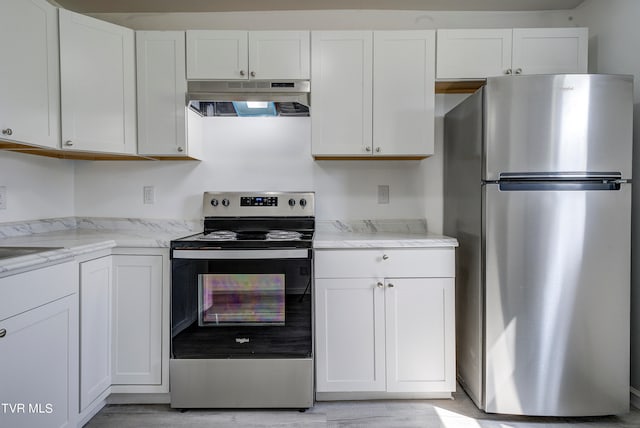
(337,240)
(76,236)
(407,233)
(72,237)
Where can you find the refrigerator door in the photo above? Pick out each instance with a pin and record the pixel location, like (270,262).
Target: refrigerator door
(558,123)
(557,299)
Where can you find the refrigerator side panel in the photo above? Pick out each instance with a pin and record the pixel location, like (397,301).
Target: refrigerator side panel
(557,301)
(462,220)
(559,123)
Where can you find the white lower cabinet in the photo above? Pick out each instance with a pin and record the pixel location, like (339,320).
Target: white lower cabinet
(137,312)
(419,334)
(39,348)
(349,335)
(387,335)
(95,329)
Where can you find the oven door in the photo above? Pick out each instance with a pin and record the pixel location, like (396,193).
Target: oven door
(241,303)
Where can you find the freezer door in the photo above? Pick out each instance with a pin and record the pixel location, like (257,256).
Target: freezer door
(557,300)
(558,123)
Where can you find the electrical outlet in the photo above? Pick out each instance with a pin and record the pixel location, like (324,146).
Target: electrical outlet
(148,195)
(3,197)
(383,194)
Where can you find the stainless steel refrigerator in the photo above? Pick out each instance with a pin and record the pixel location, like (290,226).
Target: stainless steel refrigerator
(538,193)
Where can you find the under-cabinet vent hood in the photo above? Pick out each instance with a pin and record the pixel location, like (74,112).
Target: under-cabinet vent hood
(230,98)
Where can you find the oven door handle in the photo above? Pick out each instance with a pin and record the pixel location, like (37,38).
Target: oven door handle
(241,254)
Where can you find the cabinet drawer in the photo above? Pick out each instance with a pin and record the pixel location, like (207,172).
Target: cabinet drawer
(31,289)
(380,263)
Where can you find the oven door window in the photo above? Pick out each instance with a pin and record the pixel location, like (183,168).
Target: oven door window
(241,300)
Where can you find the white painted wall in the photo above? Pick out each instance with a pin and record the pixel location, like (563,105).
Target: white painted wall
(337,20)
(614,36)
(37,187)
(256,154)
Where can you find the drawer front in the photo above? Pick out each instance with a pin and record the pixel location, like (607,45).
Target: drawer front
(381,262)
(28,290)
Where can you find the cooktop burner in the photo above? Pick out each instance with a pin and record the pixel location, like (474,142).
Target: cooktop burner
(270,235)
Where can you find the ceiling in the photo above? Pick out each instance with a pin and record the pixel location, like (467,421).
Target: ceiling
(131,6)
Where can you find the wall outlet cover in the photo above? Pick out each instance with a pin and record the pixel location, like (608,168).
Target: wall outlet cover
(148,195)
(383,194)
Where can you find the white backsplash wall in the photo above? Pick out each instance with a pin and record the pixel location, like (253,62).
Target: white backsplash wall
(243,154)
(37,187)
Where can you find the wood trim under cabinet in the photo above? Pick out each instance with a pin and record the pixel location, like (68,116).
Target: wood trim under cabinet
(459,86)
(380,158)
(78,155)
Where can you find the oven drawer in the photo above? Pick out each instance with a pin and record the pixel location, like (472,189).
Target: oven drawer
(381,263)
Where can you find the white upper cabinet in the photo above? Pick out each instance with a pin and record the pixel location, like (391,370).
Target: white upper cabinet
(162,85)
(550,50)
(467,54)
(373,93)
(98,96)
(342,86)
(29,74)
(231,55)
(217,54)
(403,92)
(481,53)
(279,55)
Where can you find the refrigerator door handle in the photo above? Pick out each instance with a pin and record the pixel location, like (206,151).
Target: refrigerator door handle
(532,185)
(566,176)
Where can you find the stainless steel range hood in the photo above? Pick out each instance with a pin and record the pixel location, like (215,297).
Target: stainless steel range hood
(292,95)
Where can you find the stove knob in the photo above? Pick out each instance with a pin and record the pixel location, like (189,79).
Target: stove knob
(225,202)
(303,203)
(292,202)
(214,202)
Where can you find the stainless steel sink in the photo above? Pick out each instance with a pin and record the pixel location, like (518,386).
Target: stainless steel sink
(9,252)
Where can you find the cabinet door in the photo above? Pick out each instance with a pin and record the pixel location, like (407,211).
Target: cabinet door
(29,73)
(550,50)
(97,72)
(420,334)
(95,329)
(39,368)
(213,54)
(349,335)
(279,55)
(137,320)
(403,90)
(162,85)
(473,54)
(341,84)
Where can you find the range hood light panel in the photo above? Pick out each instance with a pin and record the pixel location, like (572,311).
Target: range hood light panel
(258,109)
(257,104)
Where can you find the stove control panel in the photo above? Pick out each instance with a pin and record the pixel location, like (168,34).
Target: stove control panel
(238,204)
(258,201)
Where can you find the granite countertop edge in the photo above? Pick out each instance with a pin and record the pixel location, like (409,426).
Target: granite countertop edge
(74,237)
(71,243)
(337,240)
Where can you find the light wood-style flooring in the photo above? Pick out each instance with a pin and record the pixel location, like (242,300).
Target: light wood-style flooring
(457,413)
